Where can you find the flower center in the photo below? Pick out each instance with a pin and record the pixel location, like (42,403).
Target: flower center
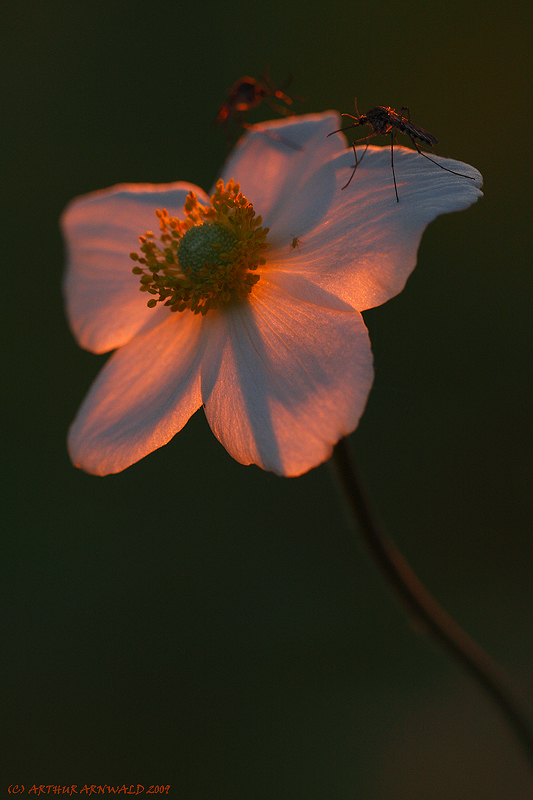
(206,260)
(205,244)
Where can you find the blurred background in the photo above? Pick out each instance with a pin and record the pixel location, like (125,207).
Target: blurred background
(236,642)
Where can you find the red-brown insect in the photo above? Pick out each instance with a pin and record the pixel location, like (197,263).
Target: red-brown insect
(384,121)
(246,94)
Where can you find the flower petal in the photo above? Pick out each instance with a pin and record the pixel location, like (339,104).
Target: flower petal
(273,161)
(145,394)
(284,380)
(105,307)
(365,246)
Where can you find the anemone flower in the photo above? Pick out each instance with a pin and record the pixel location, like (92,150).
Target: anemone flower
(254,294)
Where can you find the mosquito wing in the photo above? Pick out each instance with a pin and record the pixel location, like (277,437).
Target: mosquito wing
(416,132)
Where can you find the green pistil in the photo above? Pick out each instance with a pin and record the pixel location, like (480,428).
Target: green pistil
(210,243)
(207,260)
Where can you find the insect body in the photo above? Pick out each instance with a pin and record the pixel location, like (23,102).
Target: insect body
(295,244)
(387,120)
(384,121)
(246,94)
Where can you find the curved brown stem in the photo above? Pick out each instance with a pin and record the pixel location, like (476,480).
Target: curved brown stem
(423,606)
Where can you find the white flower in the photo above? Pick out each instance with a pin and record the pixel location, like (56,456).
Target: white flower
(284,368)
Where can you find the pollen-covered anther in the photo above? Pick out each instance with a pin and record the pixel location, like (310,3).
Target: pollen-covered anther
(207,260)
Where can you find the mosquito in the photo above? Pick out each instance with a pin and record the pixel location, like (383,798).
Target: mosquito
(384,121)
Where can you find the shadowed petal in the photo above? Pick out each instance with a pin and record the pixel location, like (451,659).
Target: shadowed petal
(145,394)
(365,246)
(105,307)
(283,380)
(275,160)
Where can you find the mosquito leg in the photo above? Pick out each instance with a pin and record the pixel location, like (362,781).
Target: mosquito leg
(364,151)
(357,160)
(392,165)
(470,177)
(354,168)
(347,128)
(406,108)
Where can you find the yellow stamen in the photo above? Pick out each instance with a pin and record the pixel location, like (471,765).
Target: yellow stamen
(207,260)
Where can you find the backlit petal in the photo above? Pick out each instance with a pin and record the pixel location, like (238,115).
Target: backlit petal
(365,246)
(104,305)
(145,394)
(283,381)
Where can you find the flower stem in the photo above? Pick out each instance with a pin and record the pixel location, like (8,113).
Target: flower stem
(423,606)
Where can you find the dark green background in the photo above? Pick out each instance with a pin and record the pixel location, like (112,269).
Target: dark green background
(228,640)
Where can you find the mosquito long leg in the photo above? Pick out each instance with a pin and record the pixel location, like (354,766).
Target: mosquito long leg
(392,165)
(357,161)
(354,166)
(461,175)
(348,127)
